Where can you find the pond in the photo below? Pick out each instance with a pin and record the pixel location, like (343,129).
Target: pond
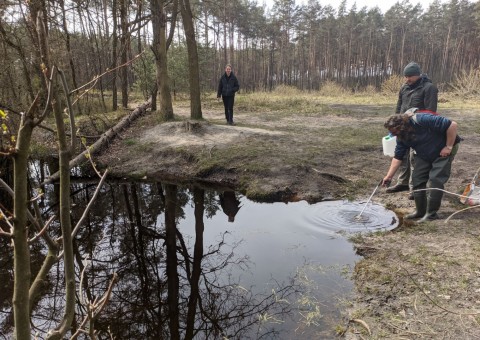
(207,263)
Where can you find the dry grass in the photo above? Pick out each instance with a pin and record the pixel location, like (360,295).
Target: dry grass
(467,84)
(392,85)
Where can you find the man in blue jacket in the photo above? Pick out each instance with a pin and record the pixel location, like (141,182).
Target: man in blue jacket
(435,141)
(227,87)
(418,92)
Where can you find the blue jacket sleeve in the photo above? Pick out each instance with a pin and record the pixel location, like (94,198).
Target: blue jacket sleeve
(400,150)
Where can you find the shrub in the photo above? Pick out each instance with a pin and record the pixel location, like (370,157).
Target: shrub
(392,84)
(467,84)
(331,88)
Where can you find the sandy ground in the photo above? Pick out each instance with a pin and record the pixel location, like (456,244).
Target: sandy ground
(416,282)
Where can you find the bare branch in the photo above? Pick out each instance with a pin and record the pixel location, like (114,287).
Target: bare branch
(95,307)
(90,204)
(41,232)
(49,98)
(70,110)
(96,78)
(2,232)
(106,297)
(51,243)
(6,187)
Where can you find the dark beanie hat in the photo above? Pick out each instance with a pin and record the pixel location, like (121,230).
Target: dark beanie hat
(412,69)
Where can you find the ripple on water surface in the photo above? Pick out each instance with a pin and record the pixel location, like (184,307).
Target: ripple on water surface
(344,216)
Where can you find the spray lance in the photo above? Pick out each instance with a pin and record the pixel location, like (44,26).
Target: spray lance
(387,183)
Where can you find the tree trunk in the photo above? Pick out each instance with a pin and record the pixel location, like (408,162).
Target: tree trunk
(172,274)
(114,57)
(21,250)
(194,73)
(199,200)
(66,226)
(159,48)
(124,42)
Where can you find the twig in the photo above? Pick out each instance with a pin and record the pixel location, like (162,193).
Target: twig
(44,229)
(95,79)
(51,243)
(36,198)
(88,155)
(6,187)
(95,307)
(87,209)
(4,233)
(106,297)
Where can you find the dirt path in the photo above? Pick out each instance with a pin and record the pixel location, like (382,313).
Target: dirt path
(417,282)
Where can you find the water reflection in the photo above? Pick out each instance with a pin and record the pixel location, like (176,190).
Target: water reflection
(230,204)
(184,272)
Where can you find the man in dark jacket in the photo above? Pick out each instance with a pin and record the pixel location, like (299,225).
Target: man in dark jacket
(435,141)
(227,87)
(417,92)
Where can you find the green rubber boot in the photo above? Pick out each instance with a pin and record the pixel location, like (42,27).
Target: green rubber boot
(432,207)
(420,206)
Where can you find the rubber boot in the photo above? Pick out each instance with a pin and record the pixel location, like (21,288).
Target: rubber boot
(420,206)
(432,207)
(434,201)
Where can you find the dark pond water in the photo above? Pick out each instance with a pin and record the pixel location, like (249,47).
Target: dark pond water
(204,262)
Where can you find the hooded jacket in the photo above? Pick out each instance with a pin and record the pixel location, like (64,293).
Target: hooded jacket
(422,95)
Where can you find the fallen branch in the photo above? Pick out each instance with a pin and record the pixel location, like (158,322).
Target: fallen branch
(102,141)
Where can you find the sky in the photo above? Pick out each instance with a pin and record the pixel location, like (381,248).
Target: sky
(384,5)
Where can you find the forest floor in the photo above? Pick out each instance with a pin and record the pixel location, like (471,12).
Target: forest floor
(415,282)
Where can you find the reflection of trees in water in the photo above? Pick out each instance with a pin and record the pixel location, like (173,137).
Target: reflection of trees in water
(167,287)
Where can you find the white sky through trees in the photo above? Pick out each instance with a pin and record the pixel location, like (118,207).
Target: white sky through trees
(384,5)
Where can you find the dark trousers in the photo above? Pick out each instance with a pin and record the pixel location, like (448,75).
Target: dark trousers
(228,103)
(432,175)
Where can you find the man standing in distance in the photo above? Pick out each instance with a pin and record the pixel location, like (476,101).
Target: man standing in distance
(417,92)
(227,87)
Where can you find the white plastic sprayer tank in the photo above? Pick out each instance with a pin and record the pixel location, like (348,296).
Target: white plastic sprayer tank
(389,142)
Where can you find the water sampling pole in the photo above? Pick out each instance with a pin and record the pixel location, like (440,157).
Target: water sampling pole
(368,201)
